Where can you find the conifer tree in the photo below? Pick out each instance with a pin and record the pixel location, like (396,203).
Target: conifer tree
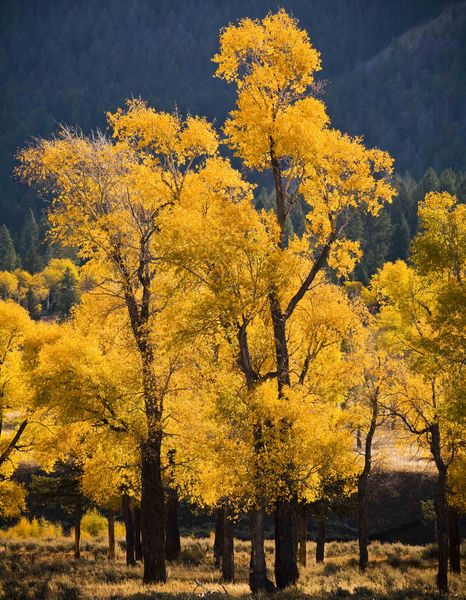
(8,258)
(30,243)
(66,294)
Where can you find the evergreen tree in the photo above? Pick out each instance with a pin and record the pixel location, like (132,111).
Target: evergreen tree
(31,305)
(30,243)
(62,490)
(66,294)
(8,258)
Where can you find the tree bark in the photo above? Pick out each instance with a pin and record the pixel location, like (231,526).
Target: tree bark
(219,538)
(172,530)
(258,581)
(302,535)
(137,533)
(77,533)
(228,559)
(362,525)
(111,535)
(286,545)
(153,513)
(454,540)
(441,510)
(363,482)
(129,530)
(320,539)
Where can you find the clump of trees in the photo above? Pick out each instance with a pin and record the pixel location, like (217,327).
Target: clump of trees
(216,357)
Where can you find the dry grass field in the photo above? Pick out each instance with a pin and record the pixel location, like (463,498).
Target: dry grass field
(45,570)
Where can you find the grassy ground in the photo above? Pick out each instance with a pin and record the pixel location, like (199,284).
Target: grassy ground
(45,570)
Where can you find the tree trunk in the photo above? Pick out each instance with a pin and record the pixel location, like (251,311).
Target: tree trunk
(228,559)
(137,533)
(111,535)
(454,540)
(441,510)
(258,581)
(286,545)
(363,482)
(362,524)
(320,539)
(129,530)
(77,533)
(219,535)
(173,530)
(302,535)
(153,514)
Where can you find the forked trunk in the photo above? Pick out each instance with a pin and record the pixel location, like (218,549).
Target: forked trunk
(286,545)
(137,533)
(320,539)
(228,559)
(129,530)
(302,535)
(153,514)
(111,535)
(454,540)
(219,535)
(173,530)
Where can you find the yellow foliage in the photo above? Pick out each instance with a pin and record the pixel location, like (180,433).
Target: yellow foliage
(34,528)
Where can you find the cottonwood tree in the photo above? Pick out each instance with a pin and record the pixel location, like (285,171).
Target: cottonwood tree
(422,318)
(229,253)
(280,127)
(109,200)
(23,422)
(367,415)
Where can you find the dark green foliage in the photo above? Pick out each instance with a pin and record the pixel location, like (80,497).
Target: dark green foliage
(66,295)
(31,304)
(60,491)
(8,258)
(29,243)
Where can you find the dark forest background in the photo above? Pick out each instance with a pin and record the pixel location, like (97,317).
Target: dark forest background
(394,71)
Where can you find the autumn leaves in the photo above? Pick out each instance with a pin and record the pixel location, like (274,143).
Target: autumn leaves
(207,335)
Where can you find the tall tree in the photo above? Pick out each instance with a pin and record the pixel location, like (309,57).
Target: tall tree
(114,220)
(423,319)
(279,127)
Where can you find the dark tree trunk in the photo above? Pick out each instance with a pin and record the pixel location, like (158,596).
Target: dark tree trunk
(362,525)
(129,530)
(77,533)
(320,539)
(454,540)
(111,535)
(441,510)
(302,535)
(219,535)
(258,581)
(363,482)
(173,530)
(153,514)
(137,533)
(228,559)
(286,545)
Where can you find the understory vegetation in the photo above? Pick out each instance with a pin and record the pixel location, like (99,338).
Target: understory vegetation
(44,570)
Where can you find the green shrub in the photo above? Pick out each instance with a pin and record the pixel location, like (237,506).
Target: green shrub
(93,524)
